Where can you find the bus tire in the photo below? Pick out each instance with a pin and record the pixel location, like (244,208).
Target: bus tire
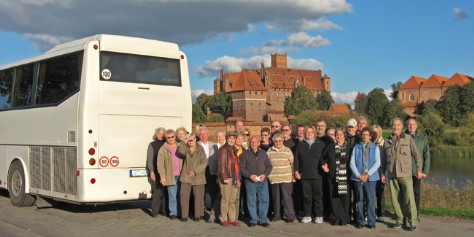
(16,186)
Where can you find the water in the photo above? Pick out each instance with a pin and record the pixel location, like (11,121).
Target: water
(456,170)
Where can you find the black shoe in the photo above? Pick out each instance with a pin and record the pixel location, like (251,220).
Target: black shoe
(370,226)
(173,217)
(289,221)
(412,228)
(359,226)
(184,219)
(397,225)
(266,224)
(275,219)
(252,225)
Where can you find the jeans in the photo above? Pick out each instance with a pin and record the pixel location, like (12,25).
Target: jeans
(257,193)
(173,197)
(366,191)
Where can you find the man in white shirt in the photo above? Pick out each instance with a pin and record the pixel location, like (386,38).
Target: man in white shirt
(211,172)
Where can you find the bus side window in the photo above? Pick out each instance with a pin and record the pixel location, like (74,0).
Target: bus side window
(23,85)
(6,80)
(58,79)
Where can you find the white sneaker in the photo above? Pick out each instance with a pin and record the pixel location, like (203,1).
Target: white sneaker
(318,220)
(306,219)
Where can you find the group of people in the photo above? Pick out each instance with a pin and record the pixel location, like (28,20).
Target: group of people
(338,175)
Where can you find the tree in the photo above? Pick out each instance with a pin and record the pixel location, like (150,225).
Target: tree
(449,106)
(426,106)
(301,99)
(395,89)
(466,95)
(393,109)
(324,100)
(198,115)
(376,102)
(431,125)
(203,101)
(215,118)
(362,105)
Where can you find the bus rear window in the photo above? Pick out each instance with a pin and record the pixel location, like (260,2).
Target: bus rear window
(139,69)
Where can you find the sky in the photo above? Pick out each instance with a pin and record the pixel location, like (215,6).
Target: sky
(360,45)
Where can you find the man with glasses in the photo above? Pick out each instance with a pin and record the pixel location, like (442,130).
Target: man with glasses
(276,127)
(288,140)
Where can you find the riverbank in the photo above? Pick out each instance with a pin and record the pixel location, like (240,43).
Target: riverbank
(446,201)
(453,151)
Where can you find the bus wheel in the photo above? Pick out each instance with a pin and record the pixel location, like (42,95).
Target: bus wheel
(16,186)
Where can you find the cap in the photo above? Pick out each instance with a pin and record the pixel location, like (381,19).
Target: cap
(352,123)
(228,134)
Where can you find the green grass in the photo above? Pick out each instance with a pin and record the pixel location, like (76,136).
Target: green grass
(449,201)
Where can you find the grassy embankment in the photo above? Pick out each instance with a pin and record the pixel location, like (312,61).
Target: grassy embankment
(448,201)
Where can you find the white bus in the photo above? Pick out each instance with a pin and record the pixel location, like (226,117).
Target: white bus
(75,122)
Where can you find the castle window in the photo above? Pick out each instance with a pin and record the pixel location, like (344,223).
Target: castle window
(412,97)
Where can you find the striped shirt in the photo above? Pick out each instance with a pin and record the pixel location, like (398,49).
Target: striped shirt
(282,162)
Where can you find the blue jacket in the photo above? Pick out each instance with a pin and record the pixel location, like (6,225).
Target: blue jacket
(373,162)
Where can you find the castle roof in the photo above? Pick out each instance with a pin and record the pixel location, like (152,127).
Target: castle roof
(246,80)
(285,78)
(435,81)
(339,108)
(458,79)
(413,83)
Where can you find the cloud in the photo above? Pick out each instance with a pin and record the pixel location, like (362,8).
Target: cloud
(320,24)
(232,64)
(196,93)
(307,41)
(460,14)
(181,21)
(290,45)
(44,41)
(344,97)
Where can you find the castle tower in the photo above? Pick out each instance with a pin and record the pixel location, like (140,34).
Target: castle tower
(279,61)
(326,83)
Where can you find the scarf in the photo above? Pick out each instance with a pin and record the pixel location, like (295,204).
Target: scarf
(341,168)
(233,152)
(365,159)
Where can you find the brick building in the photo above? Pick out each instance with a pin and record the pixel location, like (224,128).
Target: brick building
(417,89)
(259,95)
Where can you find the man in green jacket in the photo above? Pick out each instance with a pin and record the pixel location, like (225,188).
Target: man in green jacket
(401,152)
(424,150)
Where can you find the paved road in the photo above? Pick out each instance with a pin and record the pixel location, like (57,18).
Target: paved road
(132,219)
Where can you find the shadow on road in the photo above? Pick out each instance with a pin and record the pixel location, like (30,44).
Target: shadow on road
(95,207)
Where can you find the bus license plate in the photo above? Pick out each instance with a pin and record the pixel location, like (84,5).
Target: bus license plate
(138,173)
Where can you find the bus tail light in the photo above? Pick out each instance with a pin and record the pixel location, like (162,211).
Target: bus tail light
(91,151)
(91,161)
(93,181)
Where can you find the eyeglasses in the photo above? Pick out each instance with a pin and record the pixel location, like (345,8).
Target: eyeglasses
(246,134)
(277,141)
(169,137)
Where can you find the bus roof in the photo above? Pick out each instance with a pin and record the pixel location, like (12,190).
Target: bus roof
(117,43)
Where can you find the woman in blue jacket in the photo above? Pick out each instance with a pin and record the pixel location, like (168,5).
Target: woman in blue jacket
(365,162)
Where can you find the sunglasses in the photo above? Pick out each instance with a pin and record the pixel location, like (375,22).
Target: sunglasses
(169,137)
(246,134)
